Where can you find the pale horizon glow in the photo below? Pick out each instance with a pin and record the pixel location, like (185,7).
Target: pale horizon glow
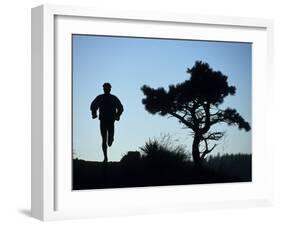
(129,63)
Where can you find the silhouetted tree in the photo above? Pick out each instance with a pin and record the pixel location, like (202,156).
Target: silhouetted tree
(195,103)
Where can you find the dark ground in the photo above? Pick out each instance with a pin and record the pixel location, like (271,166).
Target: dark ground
(96,175)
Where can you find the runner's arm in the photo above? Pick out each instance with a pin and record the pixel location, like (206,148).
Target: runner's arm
(119,107)
(94,106)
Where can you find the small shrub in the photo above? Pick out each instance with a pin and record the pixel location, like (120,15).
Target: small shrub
(163,153)
(131,156)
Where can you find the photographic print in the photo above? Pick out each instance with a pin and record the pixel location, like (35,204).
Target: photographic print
(158,112)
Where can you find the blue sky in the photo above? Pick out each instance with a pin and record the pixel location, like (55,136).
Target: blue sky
(129,63)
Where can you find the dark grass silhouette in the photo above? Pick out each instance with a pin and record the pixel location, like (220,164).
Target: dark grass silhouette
(160,163)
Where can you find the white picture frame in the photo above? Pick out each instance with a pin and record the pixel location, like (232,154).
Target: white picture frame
(52,197)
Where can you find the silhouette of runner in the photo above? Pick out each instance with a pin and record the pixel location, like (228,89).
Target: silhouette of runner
(110,109)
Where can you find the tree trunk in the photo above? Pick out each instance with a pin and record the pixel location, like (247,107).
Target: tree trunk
(195,151)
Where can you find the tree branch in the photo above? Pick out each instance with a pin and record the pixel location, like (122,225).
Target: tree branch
(207,118)
(231,117)
(182,119)
(214,136)
(207,150)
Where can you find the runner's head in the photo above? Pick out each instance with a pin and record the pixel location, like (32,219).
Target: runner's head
(106,88)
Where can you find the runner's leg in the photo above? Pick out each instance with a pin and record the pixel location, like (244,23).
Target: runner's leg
(110,133)
(103,131)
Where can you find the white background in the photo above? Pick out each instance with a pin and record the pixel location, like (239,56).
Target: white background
(15,112)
